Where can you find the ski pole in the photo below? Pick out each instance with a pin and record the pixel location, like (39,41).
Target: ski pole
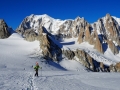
(41,71)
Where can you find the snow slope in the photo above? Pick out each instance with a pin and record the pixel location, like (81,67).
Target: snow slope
(108,58)
(17,58)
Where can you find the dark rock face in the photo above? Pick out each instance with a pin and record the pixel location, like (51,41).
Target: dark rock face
(69,54)
(30,35)
(91,37)
(98,45)
(4,30)
(113,47)
(112,28)
(86,60)
(50,50)
(115,68)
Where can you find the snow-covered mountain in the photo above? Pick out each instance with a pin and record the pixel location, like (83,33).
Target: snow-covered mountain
(35,21)
(72,53)
(54,26)
(103,35)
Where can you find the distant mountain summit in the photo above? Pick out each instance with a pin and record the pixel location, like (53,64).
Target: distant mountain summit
(5,31)
(35,21)
(103,33)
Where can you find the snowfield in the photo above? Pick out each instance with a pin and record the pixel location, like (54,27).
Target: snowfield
(17,58)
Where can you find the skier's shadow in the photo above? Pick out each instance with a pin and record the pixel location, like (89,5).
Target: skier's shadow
(54,64)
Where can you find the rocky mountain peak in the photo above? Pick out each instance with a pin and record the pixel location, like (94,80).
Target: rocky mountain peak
(98,33)
(5,31)
(108,16)
(77,18)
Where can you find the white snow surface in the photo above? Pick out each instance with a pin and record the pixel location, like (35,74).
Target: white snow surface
(48,22)
(117,19)
(17,58)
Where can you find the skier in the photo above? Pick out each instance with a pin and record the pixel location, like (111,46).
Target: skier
(36,69)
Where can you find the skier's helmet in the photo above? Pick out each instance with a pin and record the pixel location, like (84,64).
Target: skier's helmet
(36,63)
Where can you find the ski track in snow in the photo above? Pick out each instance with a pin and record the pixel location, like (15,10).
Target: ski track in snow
(31,82)
(59,80)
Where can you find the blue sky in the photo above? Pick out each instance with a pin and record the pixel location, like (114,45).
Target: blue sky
(14,11)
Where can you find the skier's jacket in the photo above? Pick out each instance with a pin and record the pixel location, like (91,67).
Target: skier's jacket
(36,67)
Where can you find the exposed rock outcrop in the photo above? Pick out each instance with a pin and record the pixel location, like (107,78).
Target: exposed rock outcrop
(87,33)
(30,35)
(98,45)
(50,50)
(93,37)
(69,54)
(112,27)
(115,68)
(86,60)
(4,29)
(81,36)
(112,47)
